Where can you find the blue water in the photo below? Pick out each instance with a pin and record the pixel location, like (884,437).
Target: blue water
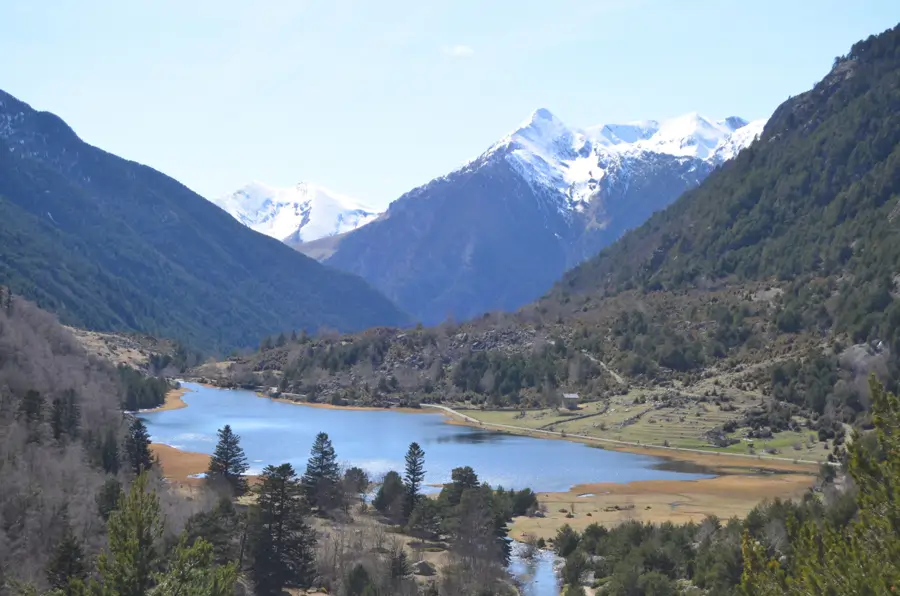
(275,432)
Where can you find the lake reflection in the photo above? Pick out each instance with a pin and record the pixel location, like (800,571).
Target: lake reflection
(274,432)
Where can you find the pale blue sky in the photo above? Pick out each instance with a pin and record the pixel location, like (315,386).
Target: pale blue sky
(373,98)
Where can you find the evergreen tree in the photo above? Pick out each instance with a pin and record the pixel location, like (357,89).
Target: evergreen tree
(412,479)
(293,337)
(861,558)
(137,447)
(193,572)
(321,482)
(221,527)
(64,415)
(400,569)
(133,555)
(32,407)
(425,520)
(228,463)
(9,301)
(109,452)
(357,581)
(390,496)
(109,496)
(67,568)
(282,544)
(356,481)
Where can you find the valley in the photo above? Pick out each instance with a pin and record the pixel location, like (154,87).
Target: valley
(654,358)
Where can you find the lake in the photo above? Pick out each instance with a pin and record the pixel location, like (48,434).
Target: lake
(275,432)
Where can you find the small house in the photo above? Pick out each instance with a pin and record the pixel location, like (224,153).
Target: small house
(570,400)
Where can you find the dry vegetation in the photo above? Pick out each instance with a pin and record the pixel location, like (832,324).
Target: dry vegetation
(49,482)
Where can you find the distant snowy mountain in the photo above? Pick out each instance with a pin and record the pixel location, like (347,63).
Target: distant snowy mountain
(497,232)
(297,214)
(550,155)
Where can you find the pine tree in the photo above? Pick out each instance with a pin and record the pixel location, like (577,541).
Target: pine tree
(134,533)
(321,481)
(282,544)
(193,572)
(67,568)
(137,447)
(109,496)
(65,415)
(860,559)
(412,479)
(390,496)
(228,462)
(32,407)
(9,301)
(109,452)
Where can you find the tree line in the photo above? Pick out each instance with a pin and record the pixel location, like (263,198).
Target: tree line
(839,540)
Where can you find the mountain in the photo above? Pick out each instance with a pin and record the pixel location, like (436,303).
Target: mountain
(110,244)
(758,302)
(298,214)
(499,231)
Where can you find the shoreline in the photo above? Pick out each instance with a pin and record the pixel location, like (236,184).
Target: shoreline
(178,465)
(172,401)
(658,501)
(716,462)
(308,404)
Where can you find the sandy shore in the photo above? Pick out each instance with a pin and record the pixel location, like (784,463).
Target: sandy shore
(677,501)
(657,501)
(177,464)
(173,400)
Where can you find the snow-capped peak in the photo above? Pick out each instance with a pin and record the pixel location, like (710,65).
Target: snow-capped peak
(300,213)
(551,156)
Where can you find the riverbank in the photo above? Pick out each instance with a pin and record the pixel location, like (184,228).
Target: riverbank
(658,501)
(173,400)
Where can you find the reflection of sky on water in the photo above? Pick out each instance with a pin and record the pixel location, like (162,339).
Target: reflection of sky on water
(273,432)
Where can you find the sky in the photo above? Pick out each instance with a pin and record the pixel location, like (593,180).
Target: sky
(371,98)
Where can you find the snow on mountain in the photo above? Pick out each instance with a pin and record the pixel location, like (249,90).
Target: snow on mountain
(740,139)
(550,155)
(300,213)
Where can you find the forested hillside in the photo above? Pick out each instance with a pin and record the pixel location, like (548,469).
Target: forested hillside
(64,451)
(811,206)
(110,244)
(769,290)
(84,509)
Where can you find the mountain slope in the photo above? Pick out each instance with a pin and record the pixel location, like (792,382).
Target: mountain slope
(496,233)
(302,213)
(758,303)
(114,245)
(813,203)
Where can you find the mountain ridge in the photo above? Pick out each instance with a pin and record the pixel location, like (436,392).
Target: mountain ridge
(301,213)
(110,244)
(546,194)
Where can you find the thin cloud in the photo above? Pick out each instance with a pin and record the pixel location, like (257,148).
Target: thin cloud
(459,51)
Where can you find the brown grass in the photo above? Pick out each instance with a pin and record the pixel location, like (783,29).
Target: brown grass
(657,501)
(179,465)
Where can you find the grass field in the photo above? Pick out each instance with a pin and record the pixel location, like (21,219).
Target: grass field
(640,417)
